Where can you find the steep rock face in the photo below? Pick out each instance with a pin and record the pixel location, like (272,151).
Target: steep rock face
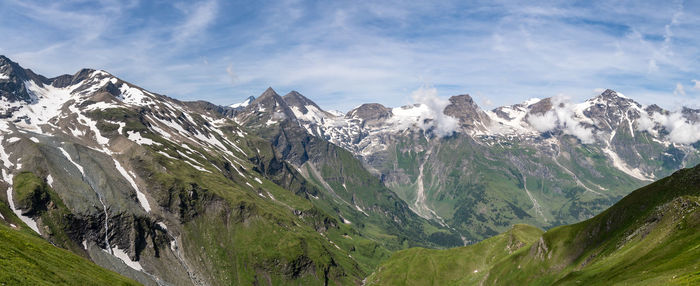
(147,186)
(465,109)
(12,81)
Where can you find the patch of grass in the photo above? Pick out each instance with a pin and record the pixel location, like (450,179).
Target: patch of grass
(29,260)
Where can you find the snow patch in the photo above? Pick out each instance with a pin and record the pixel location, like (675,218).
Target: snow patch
(49,180)
(65,154)
(121,254)
(622,166)
(132,95)
(136,137)
(139,195)
(12,140)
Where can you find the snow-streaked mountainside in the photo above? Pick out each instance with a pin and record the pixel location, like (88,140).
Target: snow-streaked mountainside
(544,161)
(175,193)
(595,121)
(276,190)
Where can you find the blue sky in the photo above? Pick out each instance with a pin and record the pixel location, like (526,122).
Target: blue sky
(344,53)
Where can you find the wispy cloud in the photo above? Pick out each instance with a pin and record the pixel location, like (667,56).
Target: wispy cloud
(342,54)
(198,17)
(680,90)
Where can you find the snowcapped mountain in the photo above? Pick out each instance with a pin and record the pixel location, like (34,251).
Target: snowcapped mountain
(156,189)
(563,161)
(242,104)
(276,188)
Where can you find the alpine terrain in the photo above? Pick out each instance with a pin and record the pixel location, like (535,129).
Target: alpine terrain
(107,181)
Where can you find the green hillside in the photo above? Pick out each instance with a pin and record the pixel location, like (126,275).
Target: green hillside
(26,259)
(650,237)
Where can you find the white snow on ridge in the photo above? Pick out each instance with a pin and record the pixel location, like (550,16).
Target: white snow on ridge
(139,195)
(136,137)
(48,103)
(4,76)
(313,114)
(241,104)
(132,95)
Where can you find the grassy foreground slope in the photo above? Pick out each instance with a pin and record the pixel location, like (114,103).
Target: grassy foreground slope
(26,259)
(650,237)
(461,265)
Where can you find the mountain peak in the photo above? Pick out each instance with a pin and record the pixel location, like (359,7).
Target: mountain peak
(270,103)
(244,103)
(466,110)
(296,99)
(268,93)
(4,60)
(13,78)
(610,95)
(370,111)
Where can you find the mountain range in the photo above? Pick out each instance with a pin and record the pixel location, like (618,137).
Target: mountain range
(275,190)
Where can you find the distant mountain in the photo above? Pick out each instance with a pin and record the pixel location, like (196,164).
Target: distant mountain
(649,237)
(243,104)
(544,162)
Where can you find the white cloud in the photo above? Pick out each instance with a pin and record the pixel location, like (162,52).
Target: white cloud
(198,18)
(696,84)
(680,129)
(646,123)
(348,53)
(562,116)
(444,124)
(680,90)
(232,74)
(544,122)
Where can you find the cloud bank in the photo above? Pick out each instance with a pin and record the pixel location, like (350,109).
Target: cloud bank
(444,124)
(564,117)
(680,129)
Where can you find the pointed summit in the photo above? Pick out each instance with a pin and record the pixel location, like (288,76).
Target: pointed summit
(269,108)
(302,103)
(269,92)
(466,110)
(13,78)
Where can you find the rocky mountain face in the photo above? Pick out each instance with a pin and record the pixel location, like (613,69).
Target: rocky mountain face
(543,162)
(178,193)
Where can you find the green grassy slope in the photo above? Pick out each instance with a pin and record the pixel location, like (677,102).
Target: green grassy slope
(650,237)
(26,259)
(457,266)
